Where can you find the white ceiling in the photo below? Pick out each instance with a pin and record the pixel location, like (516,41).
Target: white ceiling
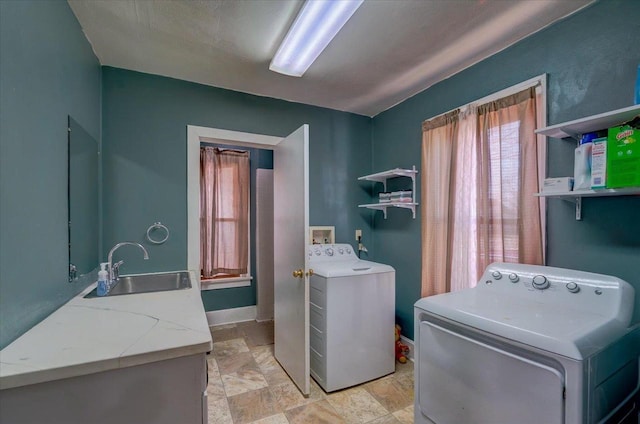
(387,52)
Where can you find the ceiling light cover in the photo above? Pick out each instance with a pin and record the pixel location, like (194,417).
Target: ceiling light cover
(314,28)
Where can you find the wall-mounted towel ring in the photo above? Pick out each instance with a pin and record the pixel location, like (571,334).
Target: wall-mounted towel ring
(155,226)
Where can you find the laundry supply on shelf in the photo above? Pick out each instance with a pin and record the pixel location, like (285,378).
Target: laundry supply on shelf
(557,185)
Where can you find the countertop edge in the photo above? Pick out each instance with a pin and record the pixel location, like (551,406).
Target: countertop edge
(79,370)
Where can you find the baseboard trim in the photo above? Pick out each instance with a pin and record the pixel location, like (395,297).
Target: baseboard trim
(409,343)
(249,313)
(229,316)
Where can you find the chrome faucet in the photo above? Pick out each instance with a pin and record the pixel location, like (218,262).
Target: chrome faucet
(114,269)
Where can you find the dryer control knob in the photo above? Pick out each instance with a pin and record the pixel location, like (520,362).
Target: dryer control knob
(514,277)
(540,282)
(329,251)
(496,274)
(340,250)
(573,287)
(348,251)
(317,252)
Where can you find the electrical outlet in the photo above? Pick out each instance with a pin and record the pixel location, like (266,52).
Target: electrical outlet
(358,235)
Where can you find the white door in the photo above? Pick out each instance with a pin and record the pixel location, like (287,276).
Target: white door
(291,238)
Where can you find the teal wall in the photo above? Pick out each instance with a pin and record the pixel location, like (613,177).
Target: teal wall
(144,158)
(242,296)
(591,60)
(47,71)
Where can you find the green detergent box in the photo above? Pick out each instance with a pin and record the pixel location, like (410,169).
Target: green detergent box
(623,157)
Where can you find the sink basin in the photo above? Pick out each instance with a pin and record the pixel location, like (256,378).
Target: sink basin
(145,283)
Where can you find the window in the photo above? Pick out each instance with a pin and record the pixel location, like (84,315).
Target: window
(224,213)
(481,166)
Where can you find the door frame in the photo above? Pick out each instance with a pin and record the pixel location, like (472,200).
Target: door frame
(195,136)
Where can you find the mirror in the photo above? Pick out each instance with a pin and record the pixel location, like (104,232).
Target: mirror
(83,206)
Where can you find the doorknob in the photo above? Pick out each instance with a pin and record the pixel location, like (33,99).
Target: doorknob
(298,273)
(310,273)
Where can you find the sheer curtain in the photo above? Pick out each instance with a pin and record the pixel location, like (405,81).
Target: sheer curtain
(224,212)
(479,176)
(509,212)
(439,137)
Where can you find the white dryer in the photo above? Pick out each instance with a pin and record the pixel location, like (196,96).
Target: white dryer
(352,317)
(528,344)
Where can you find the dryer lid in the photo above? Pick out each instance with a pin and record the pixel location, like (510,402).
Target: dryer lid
(575,324)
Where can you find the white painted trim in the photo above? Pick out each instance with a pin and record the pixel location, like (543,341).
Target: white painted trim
(532,82)
(540,80)
(217,135)
(230,316)
(196,135)
(542,149)
(409,343)
(225,283)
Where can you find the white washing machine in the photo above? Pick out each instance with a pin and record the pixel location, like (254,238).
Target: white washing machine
(352,311)
(528,344)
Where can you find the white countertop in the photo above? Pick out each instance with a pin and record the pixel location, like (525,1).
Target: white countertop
(86,336)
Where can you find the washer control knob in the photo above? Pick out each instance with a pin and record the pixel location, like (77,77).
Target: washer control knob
(496,274)
(540,282)
(340,250)
(317,252)
(514,277)
(329,251)
(348,251)
(573,287)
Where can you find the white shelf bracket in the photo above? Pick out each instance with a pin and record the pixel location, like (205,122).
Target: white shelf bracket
(578,208)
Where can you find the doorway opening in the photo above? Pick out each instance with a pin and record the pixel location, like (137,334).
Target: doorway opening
(262,147)
(290,239)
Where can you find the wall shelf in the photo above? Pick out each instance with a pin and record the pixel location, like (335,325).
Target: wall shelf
(594,193)
(576,128)
(576,196)
(382,177)
(383,207)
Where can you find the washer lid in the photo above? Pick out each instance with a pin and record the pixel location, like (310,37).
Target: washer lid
(572,324)
(349,268)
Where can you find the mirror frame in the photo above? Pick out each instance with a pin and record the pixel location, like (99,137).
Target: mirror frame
(83,200)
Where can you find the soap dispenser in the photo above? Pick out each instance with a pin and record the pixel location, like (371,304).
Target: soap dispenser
(103,280)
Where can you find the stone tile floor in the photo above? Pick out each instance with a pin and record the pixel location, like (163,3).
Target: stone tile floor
(247,385)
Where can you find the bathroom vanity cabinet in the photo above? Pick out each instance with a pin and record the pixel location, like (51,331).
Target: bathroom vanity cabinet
(120,359)
(170,391)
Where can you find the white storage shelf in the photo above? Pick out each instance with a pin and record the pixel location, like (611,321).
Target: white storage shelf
(575,129)
(382,177)
(594,193)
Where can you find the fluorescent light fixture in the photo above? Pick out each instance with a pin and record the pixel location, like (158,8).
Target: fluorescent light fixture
(314,28)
